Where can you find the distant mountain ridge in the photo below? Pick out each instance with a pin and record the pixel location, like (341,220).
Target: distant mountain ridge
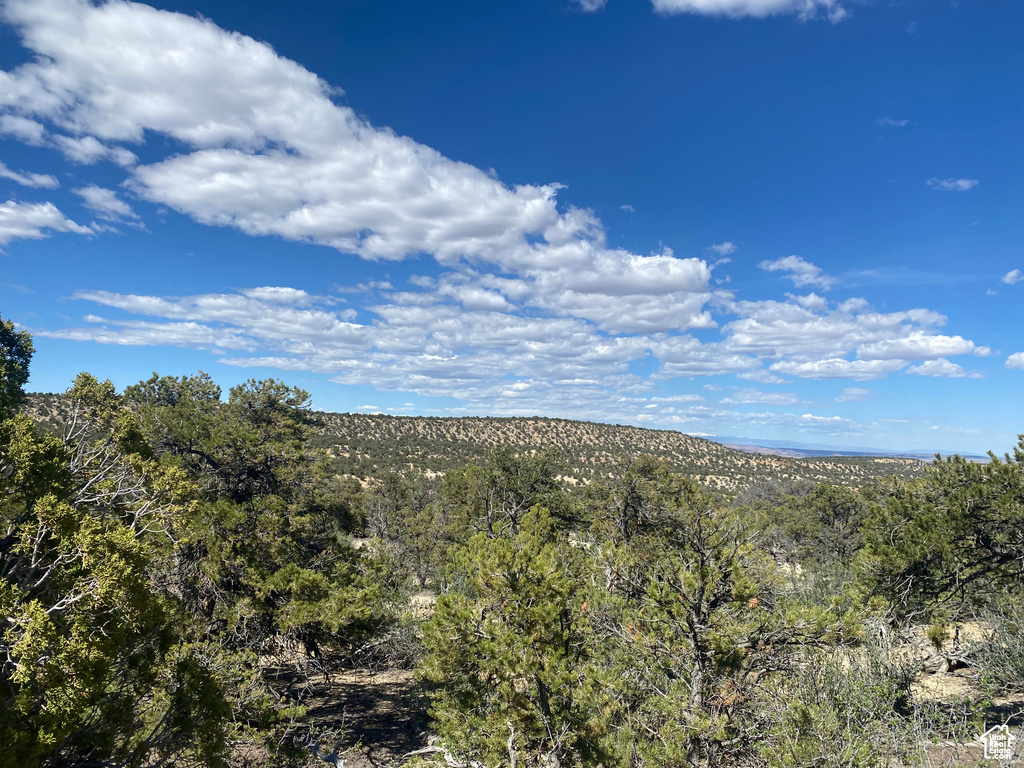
(804,450)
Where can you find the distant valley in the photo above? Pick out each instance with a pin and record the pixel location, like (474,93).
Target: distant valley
(804,450)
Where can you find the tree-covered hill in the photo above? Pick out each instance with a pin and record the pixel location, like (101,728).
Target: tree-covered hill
(366,445)
(369,445)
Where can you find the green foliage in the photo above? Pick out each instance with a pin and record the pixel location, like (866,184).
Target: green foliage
(368,445)
(950,541)
(261,558)
(15,355)
(83,633)
(690,621)
(151,557)
(999,658)
(494,495)
(819,528)
(507,651)
(161,549)
(842,708)
(650,643)
(402,512)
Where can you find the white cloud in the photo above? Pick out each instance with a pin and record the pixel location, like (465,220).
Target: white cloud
(777,329)
(952,185)
(143,334)
(268,152)
(679,399)
(1016,360)
(86,150)
(853,395)
(917,345)
(453,338)
(837,368)
(762,376)
(686,356)
(591,6)
(888,122)
(752,396)
(942,368)
(29,131)
(1013,277)
(36,180)
(278,295)
(33,221)
(106,203)
(529,303)
(824,419)
(801,272)
(757,8)
(810,301)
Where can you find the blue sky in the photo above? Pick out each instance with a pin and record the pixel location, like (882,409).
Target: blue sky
(789,219)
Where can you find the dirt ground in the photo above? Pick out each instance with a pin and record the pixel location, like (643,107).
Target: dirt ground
(381,715)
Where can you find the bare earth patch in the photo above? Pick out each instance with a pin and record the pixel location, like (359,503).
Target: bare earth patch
(381,714)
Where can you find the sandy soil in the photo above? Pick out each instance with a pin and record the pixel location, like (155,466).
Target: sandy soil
(381,714)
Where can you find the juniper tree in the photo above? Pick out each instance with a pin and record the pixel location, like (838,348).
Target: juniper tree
(950,541)
(92,665)
(15,355)
(508,652)
(260,559)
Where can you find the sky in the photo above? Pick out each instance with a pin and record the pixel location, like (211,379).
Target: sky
(778,219)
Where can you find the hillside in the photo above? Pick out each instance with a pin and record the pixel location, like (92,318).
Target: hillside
(365,445)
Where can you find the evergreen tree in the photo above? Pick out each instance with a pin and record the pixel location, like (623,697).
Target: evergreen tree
(15,355)
(949,541)
(92,669)
(508,651)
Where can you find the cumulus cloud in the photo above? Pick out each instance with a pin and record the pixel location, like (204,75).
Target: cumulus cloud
(33,221)
(838,368)
(952,185)
(37,180)
(268,152)
(942,368)
(143,334)
(801,272)
(22,128)
(810,301)
(106,203)
(853,395)
(86,150)
(1013,277)
(917,345)
(808,331)
(1016,360)
(831,9)
(761,376)
(528,300)
(754,396)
